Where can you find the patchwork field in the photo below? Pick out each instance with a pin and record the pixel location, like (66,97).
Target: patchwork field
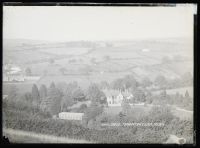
(85,61)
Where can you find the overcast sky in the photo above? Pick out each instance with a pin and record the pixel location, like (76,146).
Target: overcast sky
(65,23)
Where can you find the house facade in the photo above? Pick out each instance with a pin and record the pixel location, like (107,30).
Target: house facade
(115,97)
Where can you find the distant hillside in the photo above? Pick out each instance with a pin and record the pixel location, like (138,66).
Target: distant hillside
(104,60)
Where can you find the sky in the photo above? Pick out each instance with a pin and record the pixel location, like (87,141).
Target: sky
(69,23)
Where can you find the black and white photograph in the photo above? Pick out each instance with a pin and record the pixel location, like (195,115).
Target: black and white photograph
(98,74)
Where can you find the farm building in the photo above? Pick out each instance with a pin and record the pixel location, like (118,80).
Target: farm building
(15,74)
(13,77)
(71,116)
(12,73)
(115,97)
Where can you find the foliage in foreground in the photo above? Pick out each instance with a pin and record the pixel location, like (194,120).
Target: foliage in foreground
(39,122)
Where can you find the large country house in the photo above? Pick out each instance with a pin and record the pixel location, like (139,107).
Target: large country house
(115,97)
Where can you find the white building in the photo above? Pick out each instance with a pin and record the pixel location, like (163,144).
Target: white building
(115,97)
(71,116)
(13,77)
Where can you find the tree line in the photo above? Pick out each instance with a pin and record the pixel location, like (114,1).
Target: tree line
(160,82)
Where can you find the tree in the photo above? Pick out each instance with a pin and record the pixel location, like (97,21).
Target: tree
(174,83)
(104,85)
(28,72)
(129,81)
(12,92)
(162,99)
(93,60)
(149,97)
(35,95)
(92,112)
(95,95)
(61,86)
(106,58)
(121,117)
(43,91)
(118,84)
(125,83)
(163,94)
(71,92)
(166,59)
(86,69)
(138,94)
(62,70)
(51,61)
(82,108)
(72,61)
(126,108)
(45,72)
(54,97)
(28,97)
(160,80)
(66,102)
(78,94)
(146,82)
(109,44)
(187,79)
(187,94)
(160,114)
(52,86)
(177,58)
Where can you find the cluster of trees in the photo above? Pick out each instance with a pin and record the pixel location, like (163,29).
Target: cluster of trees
(183,101)
(175,58)
(55,99)
(124,83)
(106,58)
(185,80)
(19,116)
(28,71)
(160,81)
